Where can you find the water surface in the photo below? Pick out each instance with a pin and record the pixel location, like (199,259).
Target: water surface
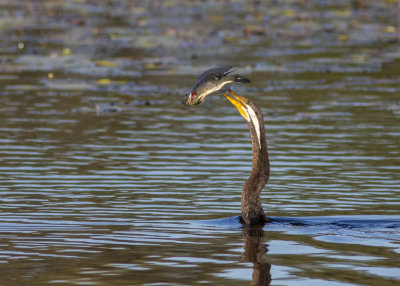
(107,179)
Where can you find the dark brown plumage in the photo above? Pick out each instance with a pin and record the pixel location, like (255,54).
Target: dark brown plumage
(252,210)
(218,81)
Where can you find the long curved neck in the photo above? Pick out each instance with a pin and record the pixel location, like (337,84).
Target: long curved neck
(252,210)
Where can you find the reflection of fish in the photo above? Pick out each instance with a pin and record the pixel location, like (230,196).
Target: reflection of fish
(212,81)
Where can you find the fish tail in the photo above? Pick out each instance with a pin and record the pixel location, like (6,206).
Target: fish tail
(240,79)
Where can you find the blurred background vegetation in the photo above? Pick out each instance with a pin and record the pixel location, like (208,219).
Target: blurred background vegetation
(109,41)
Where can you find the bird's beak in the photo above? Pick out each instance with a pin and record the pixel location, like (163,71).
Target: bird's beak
(239,102)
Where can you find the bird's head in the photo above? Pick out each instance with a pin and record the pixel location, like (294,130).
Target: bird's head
(241,103)
(250,112)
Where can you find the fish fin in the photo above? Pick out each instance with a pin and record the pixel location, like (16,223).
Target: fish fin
(207,103)
(216,72)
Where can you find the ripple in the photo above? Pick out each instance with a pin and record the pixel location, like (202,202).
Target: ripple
(106,178)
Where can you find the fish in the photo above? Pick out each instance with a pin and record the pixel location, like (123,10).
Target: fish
(215,80)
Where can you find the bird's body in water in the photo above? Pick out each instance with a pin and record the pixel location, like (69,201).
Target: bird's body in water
(252,210)
(213,81)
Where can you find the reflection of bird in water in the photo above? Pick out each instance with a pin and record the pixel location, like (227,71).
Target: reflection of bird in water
(254,249)
(218,80)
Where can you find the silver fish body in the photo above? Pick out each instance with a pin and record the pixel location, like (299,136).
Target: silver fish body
(212,81)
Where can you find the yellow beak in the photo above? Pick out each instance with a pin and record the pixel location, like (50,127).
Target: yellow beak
(239,102)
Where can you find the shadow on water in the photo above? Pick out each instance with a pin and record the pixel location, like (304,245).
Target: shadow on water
(348,222)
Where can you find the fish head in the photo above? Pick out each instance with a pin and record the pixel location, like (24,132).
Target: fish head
(192,98)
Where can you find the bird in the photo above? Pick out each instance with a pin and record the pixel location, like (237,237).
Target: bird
(213,81)
(218,81)
(251,205)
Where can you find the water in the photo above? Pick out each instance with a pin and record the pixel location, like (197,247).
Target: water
(107,179)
